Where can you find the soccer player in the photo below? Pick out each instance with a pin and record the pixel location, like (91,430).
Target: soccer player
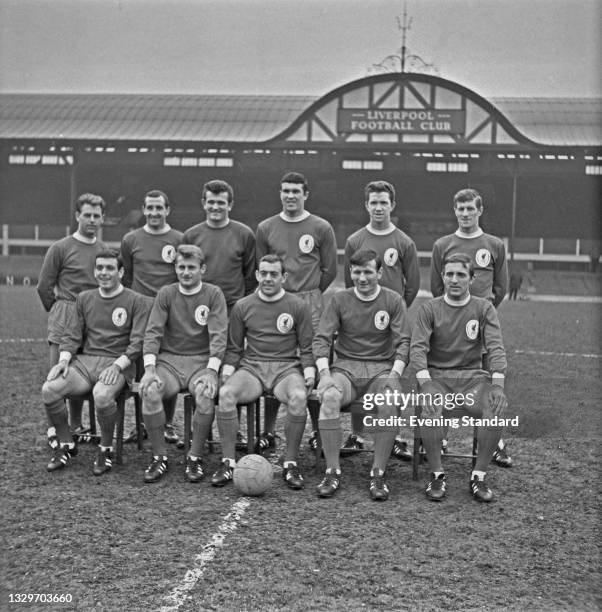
(371,354)
(400,272)
(488,257)
(67,270)
(184,345)
(229,248)
(450,334)
(307,245)
(228,245)
(148,258)
(108,324)
(277,358)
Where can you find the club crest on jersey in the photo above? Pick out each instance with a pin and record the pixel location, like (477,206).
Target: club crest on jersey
(119,317)
(284,323)
(168,253)
(390,257)
(306,243)
(201,314)
(381,319)
(472,329)
(482,257)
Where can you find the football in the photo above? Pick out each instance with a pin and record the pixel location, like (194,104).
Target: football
(253,475)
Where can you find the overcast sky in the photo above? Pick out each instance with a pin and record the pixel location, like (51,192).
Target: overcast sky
(495,47)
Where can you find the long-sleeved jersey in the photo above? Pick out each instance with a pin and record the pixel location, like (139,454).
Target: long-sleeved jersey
(488,257)
(398,253)
(107,326)
(67,270)
(308,248)
(453,337)
(187,324)
(148,259)
(375,330)
(274,331)
(229,256)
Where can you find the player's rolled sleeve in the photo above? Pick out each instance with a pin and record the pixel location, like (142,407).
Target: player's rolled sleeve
(217,326)
(327,328)
(156,324)
(494,344)
(500,275)
(421,337)
(48,277)
(437,286)
(400,332)
(411,273)
(328,258)
(141,311)
(236,337)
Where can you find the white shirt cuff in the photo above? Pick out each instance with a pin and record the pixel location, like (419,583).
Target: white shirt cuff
(65,356)
(497,378)
(309,372)
(150,360)
(322,363)
(423,376)
(399,366)
(227,370)
(123,362)
(214,364)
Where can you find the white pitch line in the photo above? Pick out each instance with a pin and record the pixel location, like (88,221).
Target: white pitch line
(554,354)
(20,340)
(178,596)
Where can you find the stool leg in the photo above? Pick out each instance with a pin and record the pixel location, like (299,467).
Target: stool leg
(416,453)
(92,414)
(138,417)
(313,407)
(252,417)
(188,410)
(474,447)
(119,434)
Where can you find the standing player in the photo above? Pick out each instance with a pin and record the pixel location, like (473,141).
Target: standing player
(184,344)
(229,248)
(400,273)
(148,257)
(448,339)
(67,270)
(108,324)
(307,245)
(269,341)
(488,257)
(371,354)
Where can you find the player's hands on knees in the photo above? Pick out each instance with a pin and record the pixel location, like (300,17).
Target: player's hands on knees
(430,390)
(206,383)
(326,382)
(309,385)
(60,369)
(498,402)
(110,375)
(149,377)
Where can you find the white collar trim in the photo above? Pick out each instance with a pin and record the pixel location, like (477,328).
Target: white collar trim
(160,232)
(454,303)
(462,234)
(82,238)
(367,299)
(381,232)
(273,298)
(117,291)
(301,217)
(190,291)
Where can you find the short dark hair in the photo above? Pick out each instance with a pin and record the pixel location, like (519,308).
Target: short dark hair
(295,177)
(272,258)
(364,256)
(218,186)
(468,195)
(461,258)
(378,187)
(110,254)
(156,193)
(190,251)
(90,198)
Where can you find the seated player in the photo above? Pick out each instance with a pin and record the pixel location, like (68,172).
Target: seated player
(276,326)
(108,323)
(371,354)
(449,337)
(184,345)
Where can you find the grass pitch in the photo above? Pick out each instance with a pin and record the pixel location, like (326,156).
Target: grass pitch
(115,543)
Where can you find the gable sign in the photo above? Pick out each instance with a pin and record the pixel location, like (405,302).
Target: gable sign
(400,121)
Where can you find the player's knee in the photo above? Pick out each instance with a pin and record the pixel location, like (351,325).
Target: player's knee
(227,398)
(297,402)
(205,405)
(152,404)
(50,394)
(103,397)
(386,410)
(152,395)
(332,398)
